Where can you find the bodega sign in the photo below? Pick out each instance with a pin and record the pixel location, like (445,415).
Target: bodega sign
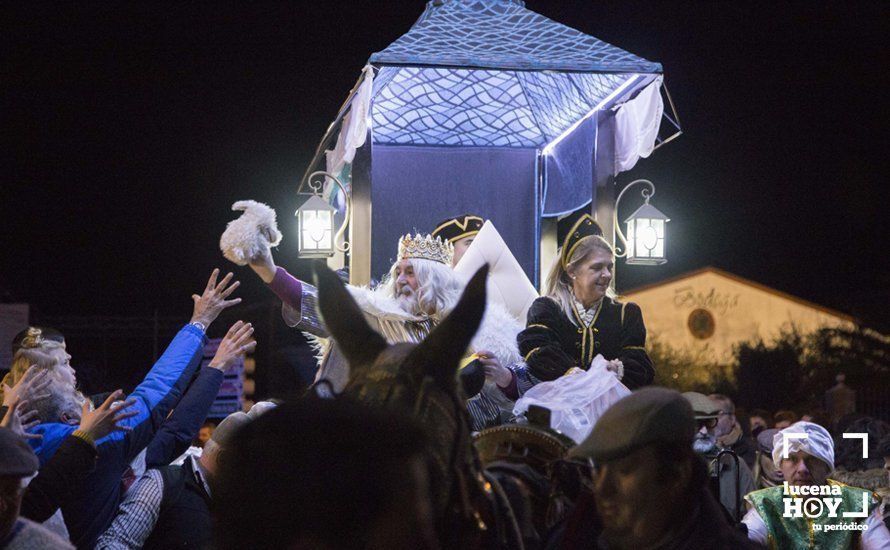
(812,501)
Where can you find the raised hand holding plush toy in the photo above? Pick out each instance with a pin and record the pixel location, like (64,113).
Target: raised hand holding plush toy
(251,234)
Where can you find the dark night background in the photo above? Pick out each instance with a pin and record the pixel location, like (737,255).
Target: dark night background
(130,129)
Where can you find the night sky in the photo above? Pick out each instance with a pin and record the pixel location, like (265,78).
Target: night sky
(129,130)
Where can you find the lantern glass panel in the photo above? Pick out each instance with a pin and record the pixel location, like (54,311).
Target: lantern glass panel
(317,228)
(648,238)
(658,250)
(659,227)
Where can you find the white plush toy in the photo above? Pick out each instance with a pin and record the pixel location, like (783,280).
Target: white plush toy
(250,234)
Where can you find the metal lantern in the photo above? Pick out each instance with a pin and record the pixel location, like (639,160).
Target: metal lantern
(315,223)
(645,236)
(644,243)
(315,220)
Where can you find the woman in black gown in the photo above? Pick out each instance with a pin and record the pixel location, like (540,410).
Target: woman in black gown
(579,318)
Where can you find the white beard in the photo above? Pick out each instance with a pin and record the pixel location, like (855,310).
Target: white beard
(408,302)
(704,444)
(497,332)
(379,303)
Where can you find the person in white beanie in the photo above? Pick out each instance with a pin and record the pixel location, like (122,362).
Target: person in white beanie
(810,510)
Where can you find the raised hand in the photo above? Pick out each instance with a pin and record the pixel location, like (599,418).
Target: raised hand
(105,418)
(238,341)
(20,422)
(31,387)
(263,264)
(210,304)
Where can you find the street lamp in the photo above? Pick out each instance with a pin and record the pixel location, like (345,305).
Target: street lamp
(645,240)
(315,219)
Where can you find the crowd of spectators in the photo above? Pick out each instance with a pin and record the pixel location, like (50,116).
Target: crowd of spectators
(148,470)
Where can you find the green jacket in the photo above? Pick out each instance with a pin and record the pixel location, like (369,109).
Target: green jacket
(813,533)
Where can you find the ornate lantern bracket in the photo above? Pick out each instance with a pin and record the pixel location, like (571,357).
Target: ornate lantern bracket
(645,241)
(315,218)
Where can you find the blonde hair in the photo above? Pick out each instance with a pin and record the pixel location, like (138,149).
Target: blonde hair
(559,284)
(36,350)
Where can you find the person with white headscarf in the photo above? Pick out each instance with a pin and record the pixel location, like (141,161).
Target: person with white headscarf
(804,453)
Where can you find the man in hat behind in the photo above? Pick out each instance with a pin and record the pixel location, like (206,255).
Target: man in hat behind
(804,453)
(17,464)
(765,472)
(649,487)
(460,232)
(488,406)
(722,472)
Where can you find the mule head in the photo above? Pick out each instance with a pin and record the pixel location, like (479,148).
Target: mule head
(420,379)
(439,355)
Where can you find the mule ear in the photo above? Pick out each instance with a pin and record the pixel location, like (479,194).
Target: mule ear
(344,320)
(440,354)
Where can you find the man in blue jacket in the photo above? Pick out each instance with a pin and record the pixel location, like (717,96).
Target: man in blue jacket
(89,515)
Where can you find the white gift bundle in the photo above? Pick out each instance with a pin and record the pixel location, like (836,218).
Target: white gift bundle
(576,399)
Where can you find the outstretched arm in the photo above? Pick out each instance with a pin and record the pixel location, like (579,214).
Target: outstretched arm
(137,515)
(263,265)
(298,299)
(165,383)
(178,431)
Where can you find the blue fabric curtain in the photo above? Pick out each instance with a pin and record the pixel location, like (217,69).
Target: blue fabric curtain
(413,188)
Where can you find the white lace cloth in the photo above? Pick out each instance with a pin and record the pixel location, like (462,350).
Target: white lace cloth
(587,314)
(576,399)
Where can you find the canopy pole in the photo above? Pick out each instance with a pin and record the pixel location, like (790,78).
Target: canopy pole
(360,225)
(603,203)
(322,145)
(675,121)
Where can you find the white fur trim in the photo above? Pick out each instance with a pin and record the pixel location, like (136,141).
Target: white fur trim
(498,332)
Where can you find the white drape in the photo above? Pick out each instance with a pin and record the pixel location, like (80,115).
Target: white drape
(354,129)
(636,126)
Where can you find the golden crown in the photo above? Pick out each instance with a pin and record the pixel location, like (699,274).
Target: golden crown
(425,247)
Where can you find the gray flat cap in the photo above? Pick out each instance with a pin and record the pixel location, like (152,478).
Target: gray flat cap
(18,458)
(702,405)
(650,415)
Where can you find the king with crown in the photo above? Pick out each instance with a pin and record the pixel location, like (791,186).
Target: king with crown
(418,292)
